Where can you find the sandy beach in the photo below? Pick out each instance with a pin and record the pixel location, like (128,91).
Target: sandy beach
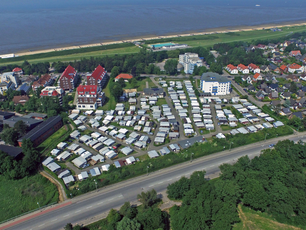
(146,38)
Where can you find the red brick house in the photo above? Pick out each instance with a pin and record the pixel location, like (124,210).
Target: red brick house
(68,79)
(89,97)
(42,82)
(98,77)
(42,131)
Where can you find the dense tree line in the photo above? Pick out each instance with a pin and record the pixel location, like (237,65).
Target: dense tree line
(274,183)
(48,105)
(206,204)
(35,68)
(145,217)
(238,55)
(17,169)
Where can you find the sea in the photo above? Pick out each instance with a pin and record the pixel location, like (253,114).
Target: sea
(27,25)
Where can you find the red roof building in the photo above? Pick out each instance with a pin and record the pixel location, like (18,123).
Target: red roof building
(261,46)
(254,68)
(124,76)
(44,81)
(17,70)
(295,68)
(87,91)
(295,53)
(89,97)
(53,91)
(284,68)
(98,77)
(257,77)
(68,79)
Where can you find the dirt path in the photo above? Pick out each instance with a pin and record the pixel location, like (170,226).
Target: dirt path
(62,194)
(248,224)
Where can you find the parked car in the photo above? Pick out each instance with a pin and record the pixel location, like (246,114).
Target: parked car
(272,145)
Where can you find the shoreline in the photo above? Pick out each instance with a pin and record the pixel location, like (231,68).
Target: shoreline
(173,35)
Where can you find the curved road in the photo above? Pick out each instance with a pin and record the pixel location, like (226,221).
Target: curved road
(97,202)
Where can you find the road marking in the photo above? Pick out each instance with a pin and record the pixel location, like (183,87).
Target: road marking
(77,211)
(151,185)
(66,215)
(53,220)
(111,199)
(41,225)
(169,180)
(160,182)
(89,207)
(100,203)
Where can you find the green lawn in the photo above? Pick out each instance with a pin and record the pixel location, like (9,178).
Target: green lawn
(54,136)
(20,196)
(143,84)
(161,101)
(256,220)
(110,100)
(225,127)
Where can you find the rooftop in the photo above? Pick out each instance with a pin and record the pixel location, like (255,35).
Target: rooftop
(213,77)
(41,128)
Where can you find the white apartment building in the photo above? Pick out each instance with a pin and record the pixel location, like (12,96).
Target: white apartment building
(215,84)
(189,60)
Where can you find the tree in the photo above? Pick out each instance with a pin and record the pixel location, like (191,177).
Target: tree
(116,90)
(214,67)
(152,219)
(69,226)
(121,82)
(21,127)
(134,83)
(10,136)
(128,224)
(128,211)
(113,216)
(293,88)
(147,198)
(115,72)
(171,66)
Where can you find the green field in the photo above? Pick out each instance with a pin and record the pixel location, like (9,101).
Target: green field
(127,48)
(20,196)
(211,39)
(76,56)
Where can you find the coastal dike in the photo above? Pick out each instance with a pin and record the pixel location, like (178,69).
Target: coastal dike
(207,32)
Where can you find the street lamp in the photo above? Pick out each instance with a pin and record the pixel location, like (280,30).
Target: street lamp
(266,136)
(230,146)
(95,183)
(38,205)
(148,170)
(191,157)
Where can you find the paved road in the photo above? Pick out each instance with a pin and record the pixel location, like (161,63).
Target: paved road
(92,204)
